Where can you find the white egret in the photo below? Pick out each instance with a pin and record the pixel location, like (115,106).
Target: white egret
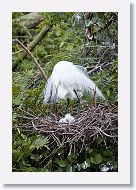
(69,81)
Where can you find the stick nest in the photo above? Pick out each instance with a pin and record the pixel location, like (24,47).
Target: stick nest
(92,122)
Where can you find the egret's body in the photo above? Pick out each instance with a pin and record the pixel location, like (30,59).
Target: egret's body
(69,81)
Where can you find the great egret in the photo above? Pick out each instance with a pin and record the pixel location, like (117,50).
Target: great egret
(69,81)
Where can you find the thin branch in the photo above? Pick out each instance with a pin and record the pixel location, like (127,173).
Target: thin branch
(32,57)
(101,120)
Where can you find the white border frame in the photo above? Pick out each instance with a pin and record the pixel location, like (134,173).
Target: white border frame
(123,174)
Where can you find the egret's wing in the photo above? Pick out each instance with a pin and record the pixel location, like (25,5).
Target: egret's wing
(89,85)
(48,91)
(82,70)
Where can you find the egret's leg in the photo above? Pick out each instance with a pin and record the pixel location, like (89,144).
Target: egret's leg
(78,101)
(68,103)
(55,108)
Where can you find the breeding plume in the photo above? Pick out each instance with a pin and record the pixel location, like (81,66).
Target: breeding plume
(69,81)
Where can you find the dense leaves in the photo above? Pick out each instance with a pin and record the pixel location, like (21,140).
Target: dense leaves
(88,39)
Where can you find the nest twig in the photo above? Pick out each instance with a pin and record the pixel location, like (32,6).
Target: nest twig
(92,122)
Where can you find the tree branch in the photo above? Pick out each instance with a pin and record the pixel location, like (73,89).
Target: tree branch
(30,20)
(32,57)
(32,44)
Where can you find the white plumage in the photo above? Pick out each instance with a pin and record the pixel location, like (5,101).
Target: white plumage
(67,119)
(69,81)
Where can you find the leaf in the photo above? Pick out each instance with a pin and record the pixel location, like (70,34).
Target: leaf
(39,143)
(100,15)
(60,151)
(72,158)
(16,101)
(62,163)
(69,167)
(15,90)
(90,150)
(88,23)
(35,157)
(97,159)
(85,165)
(108,92)
(24,137)
(69,47)
(94,29)
(107,153)
(62,44)
(31,169)
(45,170)
(99,140)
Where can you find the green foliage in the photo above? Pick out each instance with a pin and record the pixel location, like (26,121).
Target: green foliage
(97,159)
(32,153)
(40,142)
(24,150)
(65,41)
(108,82)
